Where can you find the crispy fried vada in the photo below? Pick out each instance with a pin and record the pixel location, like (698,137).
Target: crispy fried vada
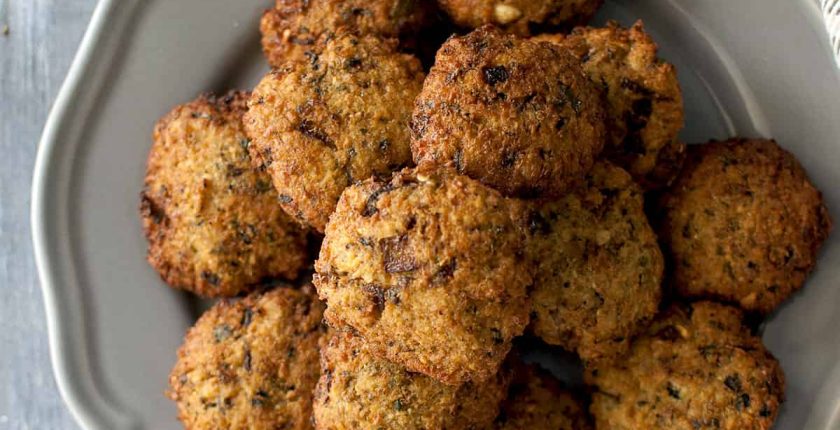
(522,17)
(296,29)
(213,222)
(537,400)
(359,390)
(429,268)
(644,102)
(743,224)
(342,116)
(698,367)
(517,115)
(251,363)
(599,266)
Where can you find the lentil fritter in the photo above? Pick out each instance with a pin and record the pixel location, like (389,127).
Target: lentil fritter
(743,224)
(599,267)
(508,191)
(644,102)
(430,270)
(517,115)
(358,391)
(697,367)
(296,29)
(522,17)
(536,400)
(251,363)
(213,223)
(342,116)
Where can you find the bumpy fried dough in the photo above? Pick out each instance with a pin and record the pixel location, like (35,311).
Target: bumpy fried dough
(213,222)
(429,269)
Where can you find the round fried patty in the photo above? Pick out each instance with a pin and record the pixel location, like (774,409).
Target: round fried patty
(213,222)
(536,400)
(743,224)
(340,117)
(517,115)
(358,390)
(697,367)
(644,101)
(296,29)
(599,275)
(429,269)
(251,363)
(523,17)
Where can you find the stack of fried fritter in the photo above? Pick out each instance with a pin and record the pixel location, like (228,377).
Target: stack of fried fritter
(500,194)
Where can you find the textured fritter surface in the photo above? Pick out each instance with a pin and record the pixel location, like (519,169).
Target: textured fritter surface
(644,101)
(743,223)
(517,115)
(213,223)
(251,363)
(523,17)
(358,390)
(294,29)
(536,400)
(599,275)
(340,117)
(697,368)
(429,269)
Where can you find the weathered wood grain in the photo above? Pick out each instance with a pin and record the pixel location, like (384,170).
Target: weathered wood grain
(35,53)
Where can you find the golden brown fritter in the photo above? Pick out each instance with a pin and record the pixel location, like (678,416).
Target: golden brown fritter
(743,223)
(251,363)
(358,390)
(517,115)
(340,117)
(429,269)
(213,223)
(644,101)
(522,17)
(536,400)
(697,368)
(599,267)
(294,29)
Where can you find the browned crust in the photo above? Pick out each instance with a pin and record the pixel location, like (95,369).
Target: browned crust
(358,390)
(743,224)
(599,266)
(429,269)
(537,400)
(643,98)
(522,17)
(698,366)
(516,115)
(295,29)
(341,116)
(251,363)
(212,222)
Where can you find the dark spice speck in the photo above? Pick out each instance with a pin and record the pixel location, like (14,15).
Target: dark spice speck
(247,360)
(673,391)
(211,278)
(494,75)
(262,186)
(764,412)
(247,315)
(742,402)
(733,382)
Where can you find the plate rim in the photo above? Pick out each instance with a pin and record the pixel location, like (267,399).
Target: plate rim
(82,394)
(70,358)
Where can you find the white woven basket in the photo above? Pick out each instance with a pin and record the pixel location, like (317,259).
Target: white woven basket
(831,12)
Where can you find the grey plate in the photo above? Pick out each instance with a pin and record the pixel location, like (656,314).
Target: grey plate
(748,67)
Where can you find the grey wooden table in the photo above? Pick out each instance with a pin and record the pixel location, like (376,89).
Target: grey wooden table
(38,39)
